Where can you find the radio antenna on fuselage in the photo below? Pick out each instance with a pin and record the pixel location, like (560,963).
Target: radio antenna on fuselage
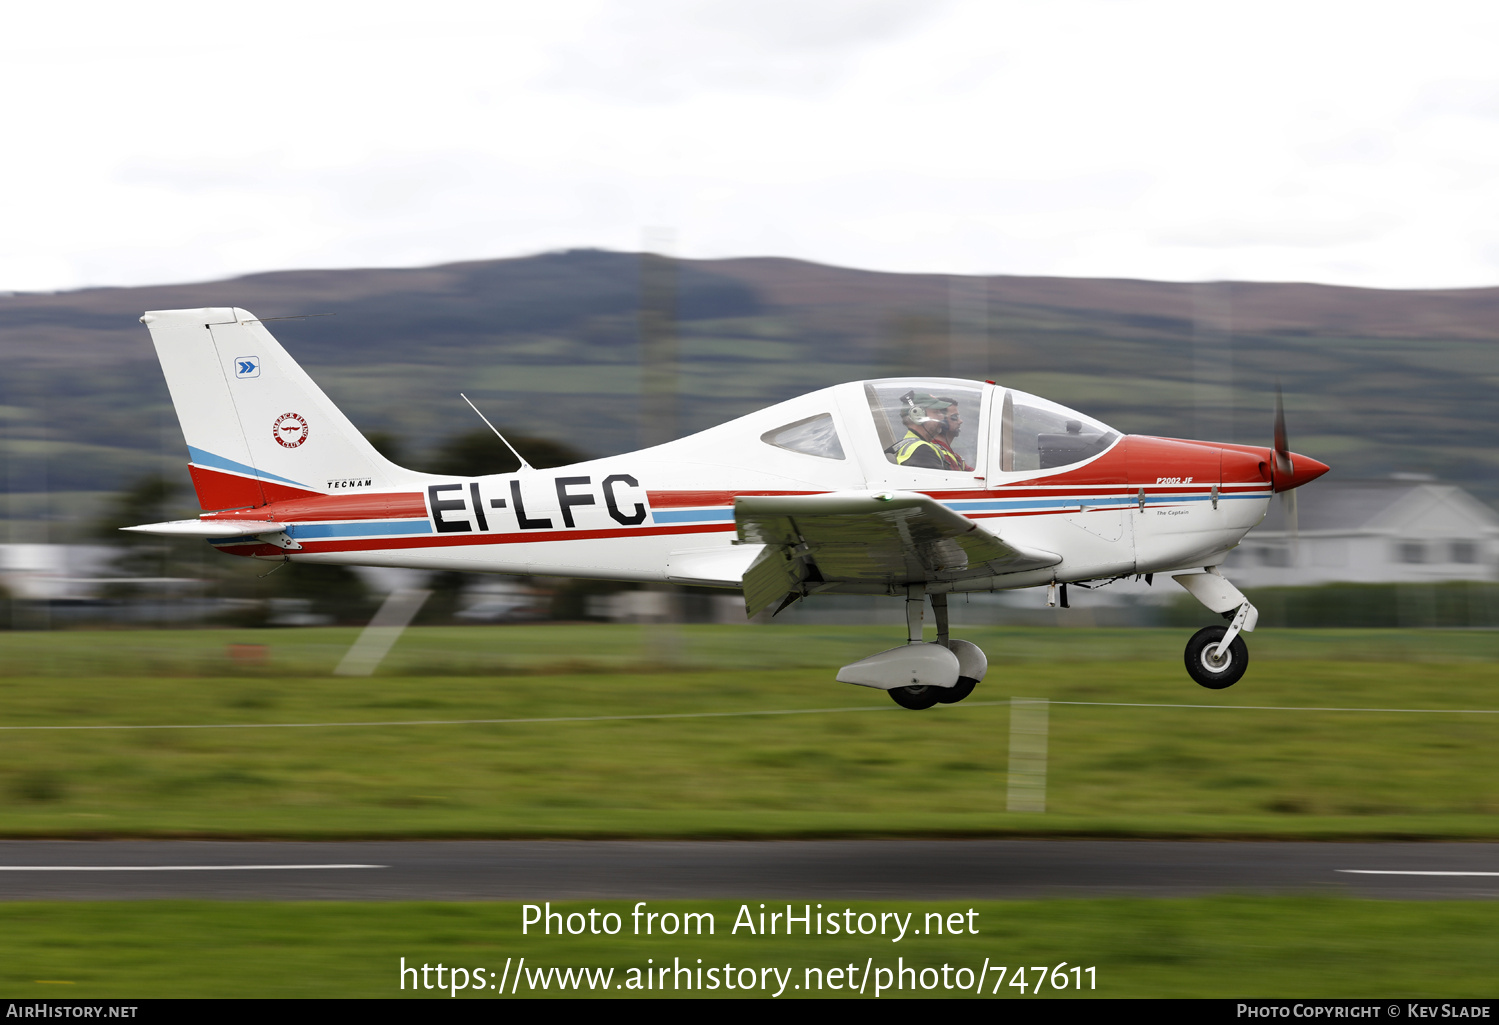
(523,464)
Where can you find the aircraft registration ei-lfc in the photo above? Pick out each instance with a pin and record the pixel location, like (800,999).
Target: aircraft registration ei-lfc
(915,488)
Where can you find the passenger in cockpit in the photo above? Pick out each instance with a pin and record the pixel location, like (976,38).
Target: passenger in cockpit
(932,423)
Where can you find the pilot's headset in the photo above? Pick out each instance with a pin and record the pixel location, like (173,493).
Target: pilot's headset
(912,411)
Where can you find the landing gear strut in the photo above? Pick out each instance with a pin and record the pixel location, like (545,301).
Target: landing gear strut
(920,696)
(964,687)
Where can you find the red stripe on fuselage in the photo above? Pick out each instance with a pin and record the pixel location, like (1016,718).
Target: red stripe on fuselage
(688,499)
(377,544)
(377,506)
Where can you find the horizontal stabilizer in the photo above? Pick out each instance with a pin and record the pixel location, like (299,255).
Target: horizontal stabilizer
(207,528)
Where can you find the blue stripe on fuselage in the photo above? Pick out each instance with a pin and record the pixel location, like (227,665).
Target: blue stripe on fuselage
(1091,501)
(691,515)
(384,528)
(323,531)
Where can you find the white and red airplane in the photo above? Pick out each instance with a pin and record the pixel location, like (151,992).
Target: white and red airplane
(915,488)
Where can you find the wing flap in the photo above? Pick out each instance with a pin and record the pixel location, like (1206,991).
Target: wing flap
(863,536)
(772,576)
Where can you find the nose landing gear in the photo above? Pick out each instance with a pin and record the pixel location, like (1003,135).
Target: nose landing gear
(1217,656)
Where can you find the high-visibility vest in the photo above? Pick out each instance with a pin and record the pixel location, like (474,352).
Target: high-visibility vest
(913,443)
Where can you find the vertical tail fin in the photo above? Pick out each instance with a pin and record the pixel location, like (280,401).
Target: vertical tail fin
(258,429)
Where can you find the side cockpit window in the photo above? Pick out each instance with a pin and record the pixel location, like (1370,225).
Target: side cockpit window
(814,436)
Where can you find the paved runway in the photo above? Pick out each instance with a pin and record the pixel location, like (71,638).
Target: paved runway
(813,870)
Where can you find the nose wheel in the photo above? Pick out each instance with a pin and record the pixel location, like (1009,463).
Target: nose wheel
(1212,668)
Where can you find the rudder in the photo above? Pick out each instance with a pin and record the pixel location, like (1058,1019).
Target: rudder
(258,429)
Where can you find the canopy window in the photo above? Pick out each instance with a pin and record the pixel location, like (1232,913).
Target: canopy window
(1037,434)
(813,436)
(927,423)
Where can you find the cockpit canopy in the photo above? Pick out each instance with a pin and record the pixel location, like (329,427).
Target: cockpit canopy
(938,423)
(925,428)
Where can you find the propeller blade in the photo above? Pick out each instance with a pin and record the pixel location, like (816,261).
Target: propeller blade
(1282,447)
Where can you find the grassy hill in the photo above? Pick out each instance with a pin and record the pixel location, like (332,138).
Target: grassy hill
(1375,381)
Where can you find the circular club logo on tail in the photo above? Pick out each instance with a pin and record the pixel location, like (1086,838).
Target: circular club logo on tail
(290,430)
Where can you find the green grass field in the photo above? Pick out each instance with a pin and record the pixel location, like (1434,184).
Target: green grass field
(851,763)
(596,647)
(863,768)
(1210,947)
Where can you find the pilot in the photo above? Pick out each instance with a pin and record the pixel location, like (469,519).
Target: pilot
(932,424)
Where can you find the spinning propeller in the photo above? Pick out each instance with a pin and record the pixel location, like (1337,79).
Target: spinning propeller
(1285,471)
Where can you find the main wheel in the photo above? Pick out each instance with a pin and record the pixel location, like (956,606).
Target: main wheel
(1212,672)
(957,692)
(915,698)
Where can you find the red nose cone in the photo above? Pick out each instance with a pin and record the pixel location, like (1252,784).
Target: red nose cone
(1303,470)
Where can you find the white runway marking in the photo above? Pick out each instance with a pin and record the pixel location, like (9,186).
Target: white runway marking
(1408,872)
(167,868)
(728,715)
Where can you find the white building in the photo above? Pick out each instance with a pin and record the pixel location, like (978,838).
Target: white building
(1404,530)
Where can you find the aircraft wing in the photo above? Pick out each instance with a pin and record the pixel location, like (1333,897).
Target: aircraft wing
(882,537)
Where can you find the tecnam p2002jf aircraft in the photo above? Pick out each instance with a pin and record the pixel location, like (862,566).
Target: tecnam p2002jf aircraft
(912,488)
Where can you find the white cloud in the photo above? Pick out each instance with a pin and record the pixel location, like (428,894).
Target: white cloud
(666,50)
(1346,142)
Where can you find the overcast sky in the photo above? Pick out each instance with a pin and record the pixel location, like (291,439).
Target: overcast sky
(1351,143)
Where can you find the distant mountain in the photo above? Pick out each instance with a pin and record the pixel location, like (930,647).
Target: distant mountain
(1375,381)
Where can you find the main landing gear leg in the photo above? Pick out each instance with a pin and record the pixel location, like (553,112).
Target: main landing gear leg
(918,697)
(916,612)
(964,687)
(919,674)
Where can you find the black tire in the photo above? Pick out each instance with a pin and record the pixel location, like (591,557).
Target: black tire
(1200,665)
(957,692)
(915,698)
